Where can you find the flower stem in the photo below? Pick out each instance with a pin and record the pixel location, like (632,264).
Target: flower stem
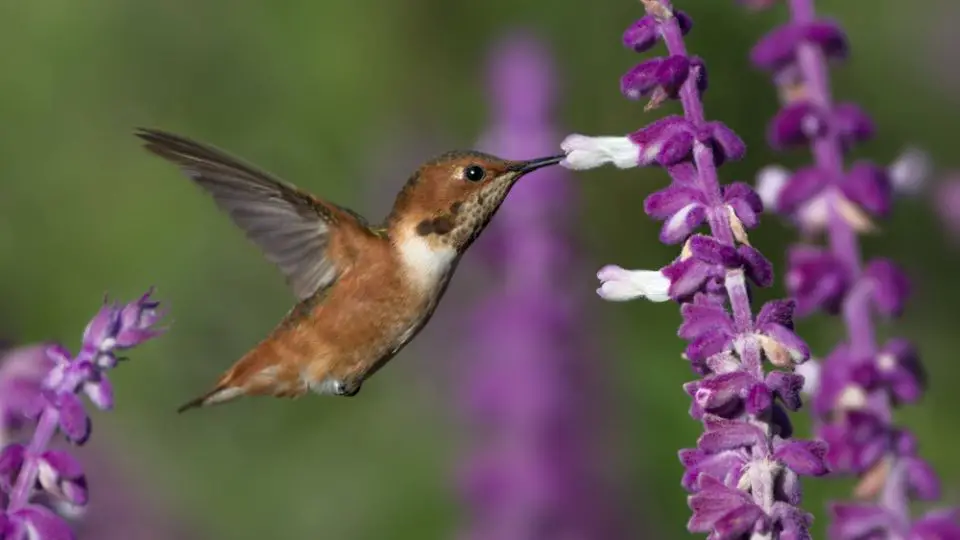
(46,429)
(762,481)
(27,478)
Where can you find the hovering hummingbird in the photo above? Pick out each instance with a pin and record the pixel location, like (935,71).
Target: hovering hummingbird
(363,291)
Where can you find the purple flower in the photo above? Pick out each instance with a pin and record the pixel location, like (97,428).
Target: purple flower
(528,476)
(816,279)
(859,382)
(810,194)
(683,208)
(853,521)
(778,49)
(743,474)
(47,392)
(21,374)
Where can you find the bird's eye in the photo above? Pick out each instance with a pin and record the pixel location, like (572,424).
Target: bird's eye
(474,173)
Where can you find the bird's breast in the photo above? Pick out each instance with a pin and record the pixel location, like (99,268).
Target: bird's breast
(372,312)
(426,262)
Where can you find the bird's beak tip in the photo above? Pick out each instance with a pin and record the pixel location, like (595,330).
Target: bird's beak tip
(539,163)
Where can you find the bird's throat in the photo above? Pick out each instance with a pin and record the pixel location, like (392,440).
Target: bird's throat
(426,260)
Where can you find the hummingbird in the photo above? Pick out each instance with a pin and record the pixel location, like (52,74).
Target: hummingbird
(363,291)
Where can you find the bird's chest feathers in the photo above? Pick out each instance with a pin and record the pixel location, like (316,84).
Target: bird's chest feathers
(427,267)
(427,263)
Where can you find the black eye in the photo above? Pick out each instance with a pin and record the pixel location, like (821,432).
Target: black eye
(474,173)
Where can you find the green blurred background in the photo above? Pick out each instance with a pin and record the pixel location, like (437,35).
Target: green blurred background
(343,97)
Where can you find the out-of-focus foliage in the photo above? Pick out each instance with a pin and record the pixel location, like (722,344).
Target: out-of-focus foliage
(330,95)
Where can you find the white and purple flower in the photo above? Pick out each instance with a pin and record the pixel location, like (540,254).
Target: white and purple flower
(743,473)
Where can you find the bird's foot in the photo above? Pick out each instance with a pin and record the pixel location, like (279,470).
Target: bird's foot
(347,388)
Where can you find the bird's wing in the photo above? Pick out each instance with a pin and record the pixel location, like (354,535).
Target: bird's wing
(292,227)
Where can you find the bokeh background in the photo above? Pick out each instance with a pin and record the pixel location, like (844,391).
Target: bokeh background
(344,97)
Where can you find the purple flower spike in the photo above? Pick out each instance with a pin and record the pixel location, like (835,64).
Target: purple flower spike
(859,383)
(528,476)
(54,382)
(744,473)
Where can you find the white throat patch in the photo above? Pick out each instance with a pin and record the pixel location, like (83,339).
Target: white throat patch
(426,262)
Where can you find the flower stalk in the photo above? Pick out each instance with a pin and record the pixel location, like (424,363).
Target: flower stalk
(28,470)
(529,475)
(859,383)
(743,475)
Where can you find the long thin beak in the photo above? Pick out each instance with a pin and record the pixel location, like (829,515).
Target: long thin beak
(524,167)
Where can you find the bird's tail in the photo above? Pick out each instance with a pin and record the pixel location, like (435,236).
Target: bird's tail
(234,383)
(252,375)
(192,404)
(220,394)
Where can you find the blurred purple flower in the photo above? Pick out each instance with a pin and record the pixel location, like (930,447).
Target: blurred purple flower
(529,476)
(21,373)
(45,390)
(859,382)
(743,475)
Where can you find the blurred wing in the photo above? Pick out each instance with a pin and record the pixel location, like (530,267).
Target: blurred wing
(293,228)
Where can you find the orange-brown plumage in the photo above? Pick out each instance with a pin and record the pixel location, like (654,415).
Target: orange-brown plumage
(364,292)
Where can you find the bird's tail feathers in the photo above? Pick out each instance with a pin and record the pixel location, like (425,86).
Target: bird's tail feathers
(221,394)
